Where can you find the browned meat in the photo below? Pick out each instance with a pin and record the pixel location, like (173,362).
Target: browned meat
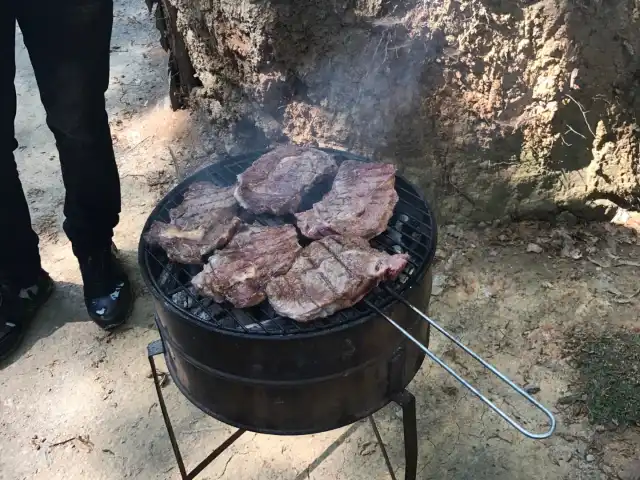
(240,271)
(204,221)
(329,275)
(360,203)
(277,182)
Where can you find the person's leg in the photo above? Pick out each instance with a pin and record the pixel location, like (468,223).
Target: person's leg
(19,257)
(69,45)
(24,287)
(69,42)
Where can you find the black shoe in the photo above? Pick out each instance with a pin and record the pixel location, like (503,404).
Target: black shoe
(18,307)
(107,291)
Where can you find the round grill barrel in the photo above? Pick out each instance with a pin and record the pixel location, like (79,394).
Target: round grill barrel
(256,370)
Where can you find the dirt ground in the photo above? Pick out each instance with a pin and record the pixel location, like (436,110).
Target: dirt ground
(77,403)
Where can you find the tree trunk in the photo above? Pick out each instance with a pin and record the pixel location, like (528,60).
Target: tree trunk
(181,74)
(497,108)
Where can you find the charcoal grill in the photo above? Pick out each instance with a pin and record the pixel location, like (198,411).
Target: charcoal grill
(260,372)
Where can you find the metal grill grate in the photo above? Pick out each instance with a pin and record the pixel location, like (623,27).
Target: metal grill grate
(411,230)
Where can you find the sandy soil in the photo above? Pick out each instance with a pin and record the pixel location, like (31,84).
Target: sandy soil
(78,404)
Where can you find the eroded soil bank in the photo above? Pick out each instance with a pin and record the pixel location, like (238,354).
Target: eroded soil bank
(497,108)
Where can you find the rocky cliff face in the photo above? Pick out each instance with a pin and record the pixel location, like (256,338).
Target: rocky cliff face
(497,108)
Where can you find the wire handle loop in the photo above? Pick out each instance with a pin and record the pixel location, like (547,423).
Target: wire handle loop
(471,388)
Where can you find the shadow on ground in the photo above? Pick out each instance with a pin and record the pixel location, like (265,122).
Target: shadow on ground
(66,306)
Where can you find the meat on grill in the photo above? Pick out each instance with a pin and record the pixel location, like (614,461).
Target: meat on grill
(360,203)
(204,221)
(240,271)
(277,181)
(329,275)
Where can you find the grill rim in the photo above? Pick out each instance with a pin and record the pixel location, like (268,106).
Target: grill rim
(186,316)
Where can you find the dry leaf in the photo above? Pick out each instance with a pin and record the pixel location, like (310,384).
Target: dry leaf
(573,253)
(600,263)
(629,263)
(534,248)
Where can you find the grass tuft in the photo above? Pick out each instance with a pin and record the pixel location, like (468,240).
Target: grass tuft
(609,376)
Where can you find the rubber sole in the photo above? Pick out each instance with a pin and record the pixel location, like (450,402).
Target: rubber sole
(14,343)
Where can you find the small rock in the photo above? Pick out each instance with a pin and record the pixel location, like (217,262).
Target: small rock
(534,248)
(572,81)
(451,261)
(503,238)
(573,253)
(600,428)
(576,254)
(449,390)
(490,291)
(531,389)
(482,225)
(589,458)
(455,231)
(439,282)
(367,448)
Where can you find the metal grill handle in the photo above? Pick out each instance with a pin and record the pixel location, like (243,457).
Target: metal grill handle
(466,384)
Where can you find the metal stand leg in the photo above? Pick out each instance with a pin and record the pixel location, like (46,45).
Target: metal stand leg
(408,403)
(157,348)
(382,447)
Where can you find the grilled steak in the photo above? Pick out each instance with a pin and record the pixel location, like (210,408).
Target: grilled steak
(277,182)
(204,221)
(360,203)
(329,275)
(240,271)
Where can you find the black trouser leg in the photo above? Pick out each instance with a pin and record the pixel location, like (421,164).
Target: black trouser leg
(69,43)
(19,258)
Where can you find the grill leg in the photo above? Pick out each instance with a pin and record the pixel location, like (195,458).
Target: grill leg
(157,348)
(153,349)
(382,447)
(408,403)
